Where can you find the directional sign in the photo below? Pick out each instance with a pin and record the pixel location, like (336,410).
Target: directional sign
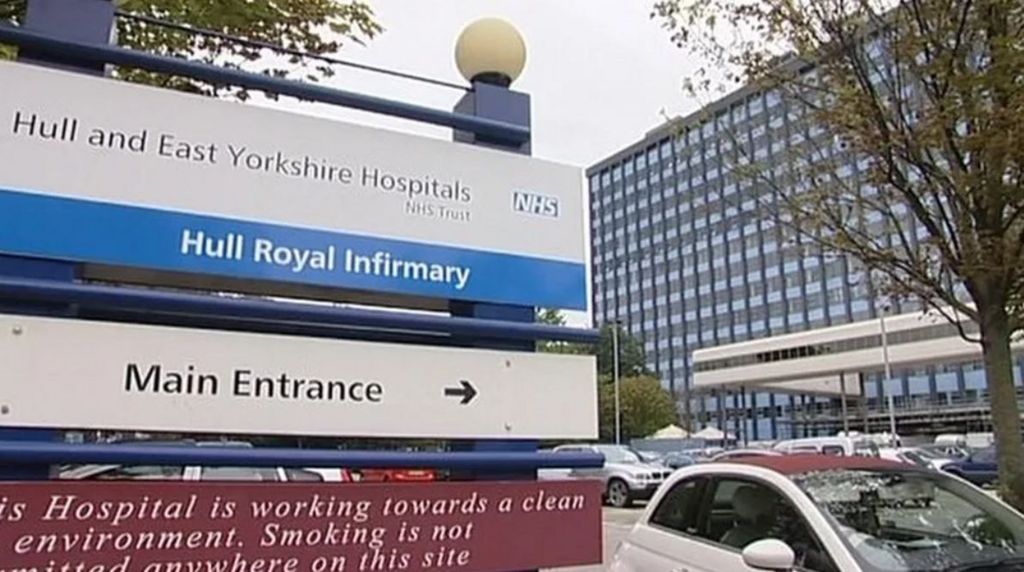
(128,176)
(465,390)
(100,375)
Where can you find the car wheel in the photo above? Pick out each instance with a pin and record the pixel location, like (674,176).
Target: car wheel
(618,493)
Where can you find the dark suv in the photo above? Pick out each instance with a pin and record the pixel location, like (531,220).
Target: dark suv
(980,467)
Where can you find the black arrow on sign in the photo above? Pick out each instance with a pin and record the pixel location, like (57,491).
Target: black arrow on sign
(467,392)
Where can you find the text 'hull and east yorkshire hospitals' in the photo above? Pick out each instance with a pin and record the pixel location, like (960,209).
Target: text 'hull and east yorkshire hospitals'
(223,189)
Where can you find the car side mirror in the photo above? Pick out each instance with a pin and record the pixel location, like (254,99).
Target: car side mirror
(769,554)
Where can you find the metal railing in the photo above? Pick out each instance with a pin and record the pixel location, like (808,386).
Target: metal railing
(42,44)
(287,317)
(35,453)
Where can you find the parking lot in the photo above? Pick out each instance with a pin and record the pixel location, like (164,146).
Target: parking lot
(617,523)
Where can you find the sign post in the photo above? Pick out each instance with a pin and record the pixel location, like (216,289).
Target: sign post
(494,101)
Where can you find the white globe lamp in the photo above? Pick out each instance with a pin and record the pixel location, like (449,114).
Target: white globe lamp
(491,51)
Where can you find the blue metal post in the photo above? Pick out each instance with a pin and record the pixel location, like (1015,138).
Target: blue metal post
(90,21)
(499,103)
(82,20)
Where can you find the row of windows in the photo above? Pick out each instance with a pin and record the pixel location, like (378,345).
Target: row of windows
(745,115)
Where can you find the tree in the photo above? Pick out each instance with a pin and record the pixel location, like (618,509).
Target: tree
(646,407)
(312,26)
(909,162)
(552,317)
(631,353)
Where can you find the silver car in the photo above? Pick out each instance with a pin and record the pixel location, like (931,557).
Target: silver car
(626,476)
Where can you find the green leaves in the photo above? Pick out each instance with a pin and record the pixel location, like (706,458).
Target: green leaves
(911,164)
(646,407)
(318,27)
(631,351)
(313,26)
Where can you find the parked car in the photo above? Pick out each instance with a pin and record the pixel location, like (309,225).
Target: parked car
(951,440)
(843,446)
(950,451)
(927,457)
(678,460)
(742,454)
(199,473)
(650,456)
(824,514)
(980,467)
(625,475)
(395,475)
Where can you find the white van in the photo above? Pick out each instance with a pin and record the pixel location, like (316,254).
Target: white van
(951,439)
(979,440)
(839,446)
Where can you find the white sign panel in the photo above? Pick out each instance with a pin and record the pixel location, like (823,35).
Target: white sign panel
(100,375)
(98,170)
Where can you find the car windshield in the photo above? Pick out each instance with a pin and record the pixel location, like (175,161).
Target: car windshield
(616,454)
(913,521)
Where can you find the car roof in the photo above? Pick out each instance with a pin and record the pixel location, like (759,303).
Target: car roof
(764,452)
(798,464)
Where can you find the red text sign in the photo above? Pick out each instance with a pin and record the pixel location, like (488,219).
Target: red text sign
(222,527)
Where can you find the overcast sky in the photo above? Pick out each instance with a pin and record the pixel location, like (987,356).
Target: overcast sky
(600,72)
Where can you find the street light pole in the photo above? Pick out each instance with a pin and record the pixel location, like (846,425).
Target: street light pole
(888,373)
(615,380)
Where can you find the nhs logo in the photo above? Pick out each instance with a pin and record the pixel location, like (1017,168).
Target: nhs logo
(532,203)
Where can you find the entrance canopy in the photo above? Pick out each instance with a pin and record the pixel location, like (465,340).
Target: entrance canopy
(825,361)
(670,432)
(713,434)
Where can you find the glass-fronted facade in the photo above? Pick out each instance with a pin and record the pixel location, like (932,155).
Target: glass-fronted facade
(687,254)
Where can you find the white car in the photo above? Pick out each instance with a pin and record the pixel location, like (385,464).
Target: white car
(846,446)
(196,473)
(823,514)
(626,476)
(922,457)
(742,454)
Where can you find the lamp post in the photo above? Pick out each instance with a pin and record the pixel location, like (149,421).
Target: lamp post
(888,373)
(890,402)
(615,381)
(490,53)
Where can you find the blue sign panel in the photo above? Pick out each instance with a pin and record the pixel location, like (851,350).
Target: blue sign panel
(106,233)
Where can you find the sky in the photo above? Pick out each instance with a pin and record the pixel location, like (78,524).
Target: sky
(600,73)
